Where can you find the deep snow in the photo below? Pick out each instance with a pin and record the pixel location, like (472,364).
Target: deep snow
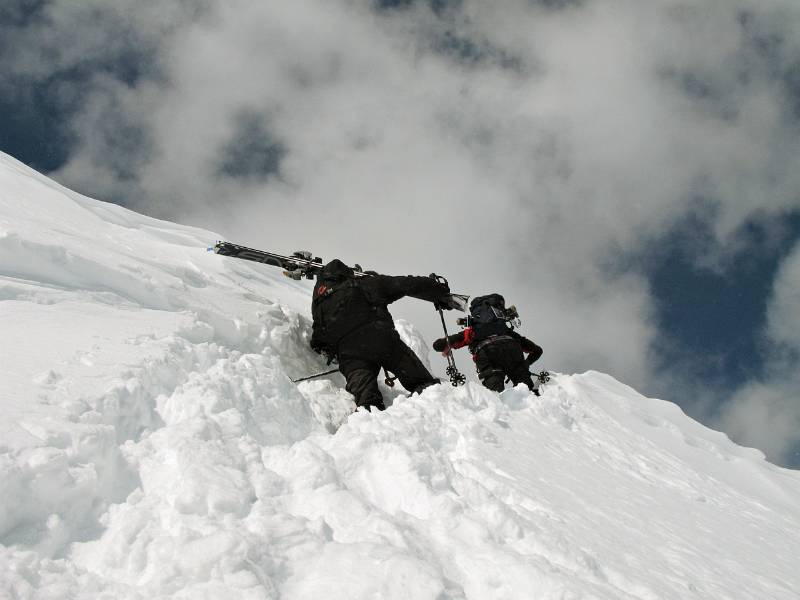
(152,445)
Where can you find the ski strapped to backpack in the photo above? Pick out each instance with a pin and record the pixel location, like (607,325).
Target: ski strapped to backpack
(301,265)
(297,266)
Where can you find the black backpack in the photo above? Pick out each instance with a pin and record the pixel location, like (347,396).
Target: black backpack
(340,306)
(488,316)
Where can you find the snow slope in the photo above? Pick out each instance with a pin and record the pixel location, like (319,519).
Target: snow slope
(152,445)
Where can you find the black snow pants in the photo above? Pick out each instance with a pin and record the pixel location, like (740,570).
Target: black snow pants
(501,359)
(377,345)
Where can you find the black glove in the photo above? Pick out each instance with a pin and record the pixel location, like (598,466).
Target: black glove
(329,353)
(445,303)
(440,345)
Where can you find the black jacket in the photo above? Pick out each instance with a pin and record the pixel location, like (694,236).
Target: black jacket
(343,303)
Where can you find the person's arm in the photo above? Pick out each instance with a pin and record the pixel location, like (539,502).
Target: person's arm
(386,289)
(320,347)
(533,351)
(457,340)
(317,340)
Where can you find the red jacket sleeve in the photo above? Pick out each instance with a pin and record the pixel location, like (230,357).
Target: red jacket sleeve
(457,340)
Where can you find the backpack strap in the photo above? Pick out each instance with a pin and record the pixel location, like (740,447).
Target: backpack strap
(492,339)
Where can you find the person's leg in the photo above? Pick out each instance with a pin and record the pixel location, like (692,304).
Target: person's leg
(362,382)
(408,368)
(510,358)
(523,375)
(490,374)
(494,379)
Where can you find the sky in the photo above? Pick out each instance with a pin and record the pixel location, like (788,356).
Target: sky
(626,173)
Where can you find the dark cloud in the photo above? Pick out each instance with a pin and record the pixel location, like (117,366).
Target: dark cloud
(774,43)
(474,52)
(766,57)
(559,4)
(20,13)
(35,127)
(451,33)
(438,7)
(252,154)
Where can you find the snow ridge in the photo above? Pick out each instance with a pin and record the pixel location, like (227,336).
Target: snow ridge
(154,446)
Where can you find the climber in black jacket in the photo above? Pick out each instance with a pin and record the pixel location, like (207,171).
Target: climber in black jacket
(352,323)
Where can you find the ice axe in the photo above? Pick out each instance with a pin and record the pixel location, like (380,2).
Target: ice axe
(542,376)
(315,375)
(388,380)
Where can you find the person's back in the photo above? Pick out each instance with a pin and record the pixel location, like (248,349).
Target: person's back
(341,305)
(496,348)
(353,323)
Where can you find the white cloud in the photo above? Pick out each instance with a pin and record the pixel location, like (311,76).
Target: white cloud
(766,416)
(510,146)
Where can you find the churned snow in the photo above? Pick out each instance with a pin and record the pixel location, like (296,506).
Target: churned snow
(152,445)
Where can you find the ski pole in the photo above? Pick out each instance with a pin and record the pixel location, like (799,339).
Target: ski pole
(315,375)
(456,377)
(541,377)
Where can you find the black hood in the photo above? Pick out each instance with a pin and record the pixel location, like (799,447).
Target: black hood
(336,269)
